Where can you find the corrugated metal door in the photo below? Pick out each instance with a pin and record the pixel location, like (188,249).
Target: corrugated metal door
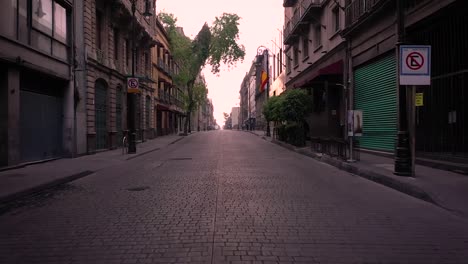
(41,126)
(375,94)
(101,116)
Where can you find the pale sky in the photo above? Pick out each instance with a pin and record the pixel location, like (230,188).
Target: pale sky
(260,23)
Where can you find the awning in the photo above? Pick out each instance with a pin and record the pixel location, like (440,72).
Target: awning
(162,107)
(335,68)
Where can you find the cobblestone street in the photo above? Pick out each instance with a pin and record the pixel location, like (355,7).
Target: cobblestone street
(228,197)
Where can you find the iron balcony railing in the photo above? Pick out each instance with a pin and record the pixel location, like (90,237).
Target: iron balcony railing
(358,8)
(305,9)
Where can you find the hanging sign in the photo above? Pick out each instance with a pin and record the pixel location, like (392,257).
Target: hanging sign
(133,85)
(415,65)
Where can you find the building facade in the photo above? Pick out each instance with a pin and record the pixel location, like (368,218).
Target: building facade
(108,45)
(108,42)
(235,111)
(168,100)
(441,123)
(315,55)
(37,89)
(244,101)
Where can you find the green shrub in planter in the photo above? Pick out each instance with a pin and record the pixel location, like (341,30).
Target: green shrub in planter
(282,135)
(295,134)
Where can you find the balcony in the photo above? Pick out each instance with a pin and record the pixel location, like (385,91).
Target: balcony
(358,10)
(164,67)
(306,13)
(289,3)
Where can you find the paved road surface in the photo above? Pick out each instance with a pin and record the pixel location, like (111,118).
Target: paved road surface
(228,197)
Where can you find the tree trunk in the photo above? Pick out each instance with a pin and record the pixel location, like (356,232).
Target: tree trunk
(187,123)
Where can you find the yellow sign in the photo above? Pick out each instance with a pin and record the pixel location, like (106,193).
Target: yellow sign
(419,99)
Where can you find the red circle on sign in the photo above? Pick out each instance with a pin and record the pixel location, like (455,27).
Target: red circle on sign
(412,62)
(132,83)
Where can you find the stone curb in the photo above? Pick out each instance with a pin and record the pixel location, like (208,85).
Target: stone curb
(368,174)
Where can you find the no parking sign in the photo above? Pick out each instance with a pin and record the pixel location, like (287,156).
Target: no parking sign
(415,65)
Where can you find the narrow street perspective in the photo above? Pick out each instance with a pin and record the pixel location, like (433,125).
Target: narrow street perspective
(228,197)
(234,132)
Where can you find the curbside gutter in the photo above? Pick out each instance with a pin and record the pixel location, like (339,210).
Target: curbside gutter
(368,174)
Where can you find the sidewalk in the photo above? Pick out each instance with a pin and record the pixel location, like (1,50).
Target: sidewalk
(32,178)
(446,189)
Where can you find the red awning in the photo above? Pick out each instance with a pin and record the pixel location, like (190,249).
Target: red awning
(335,68)
(332,69)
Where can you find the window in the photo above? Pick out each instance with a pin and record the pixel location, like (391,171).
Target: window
(281,61)
(127,53)
(296,55)
(336,19)
(305,47)
(116,44)
(137,61)
(60,23)
(318,36)
(98,29)
(8,15)
(42,16)
(147,111)
(147,64)
(49,33)
(288,63)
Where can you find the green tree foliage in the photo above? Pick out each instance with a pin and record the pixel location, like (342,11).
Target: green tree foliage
(290,108)
(295,106)
(224,48)
(214,45)
(272,109)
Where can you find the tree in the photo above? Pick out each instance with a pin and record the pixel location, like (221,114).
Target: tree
(226,116)
(290,108)
(295,106)
(272,109)
(214,45)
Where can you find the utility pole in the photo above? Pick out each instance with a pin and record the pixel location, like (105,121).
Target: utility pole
(132,101)
(403,157)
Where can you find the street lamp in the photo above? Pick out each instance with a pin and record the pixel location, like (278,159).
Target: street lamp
(262,52)
(132,102)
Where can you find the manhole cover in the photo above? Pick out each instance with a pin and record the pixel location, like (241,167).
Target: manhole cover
(181,159)
(138,189)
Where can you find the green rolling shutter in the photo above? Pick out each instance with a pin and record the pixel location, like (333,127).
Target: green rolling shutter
(375,95)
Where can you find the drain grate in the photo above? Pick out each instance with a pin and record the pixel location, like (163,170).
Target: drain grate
(181,159)
(138,189)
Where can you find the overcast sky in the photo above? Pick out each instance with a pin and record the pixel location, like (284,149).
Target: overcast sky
(260,23)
